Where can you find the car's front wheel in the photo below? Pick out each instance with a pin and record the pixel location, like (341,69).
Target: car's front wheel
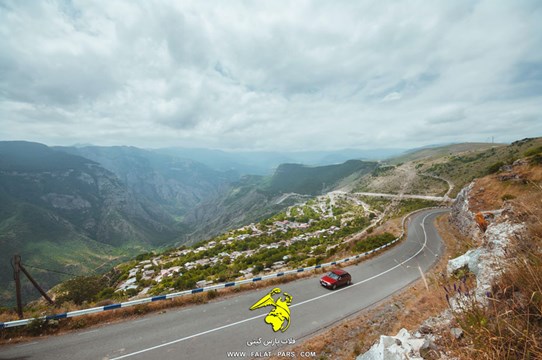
(348,282)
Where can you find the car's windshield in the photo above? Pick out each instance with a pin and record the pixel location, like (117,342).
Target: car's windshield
(333,275)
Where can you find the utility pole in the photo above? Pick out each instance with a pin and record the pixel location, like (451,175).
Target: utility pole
(17,268)
(17,278)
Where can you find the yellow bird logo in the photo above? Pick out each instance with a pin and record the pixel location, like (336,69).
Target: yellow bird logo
(279,317)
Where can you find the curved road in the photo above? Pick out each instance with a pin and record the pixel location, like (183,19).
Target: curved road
(227,329)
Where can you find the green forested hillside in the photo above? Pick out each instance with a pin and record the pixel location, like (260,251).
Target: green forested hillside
(66,213)
(254,198)
(315,180)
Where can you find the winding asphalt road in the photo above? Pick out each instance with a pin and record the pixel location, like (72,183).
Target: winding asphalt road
(227,329)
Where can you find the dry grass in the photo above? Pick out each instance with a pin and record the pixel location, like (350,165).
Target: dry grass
(510,327)
(408,308)
(490,192)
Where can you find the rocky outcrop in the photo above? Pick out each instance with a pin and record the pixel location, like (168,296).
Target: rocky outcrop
(489,260)
(486,262)
(401,346)
(461,216)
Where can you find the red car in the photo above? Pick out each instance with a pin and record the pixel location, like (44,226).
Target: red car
(336,278)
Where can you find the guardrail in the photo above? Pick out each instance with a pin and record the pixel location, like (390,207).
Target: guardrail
(70,314)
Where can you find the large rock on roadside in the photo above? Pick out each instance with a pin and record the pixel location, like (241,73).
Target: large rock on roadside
(399,347)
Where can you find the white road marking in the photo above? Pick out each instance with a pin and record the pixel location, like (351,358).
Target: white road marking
(140,321)
(87,332)
(291,306)
(23,345)
(188,337)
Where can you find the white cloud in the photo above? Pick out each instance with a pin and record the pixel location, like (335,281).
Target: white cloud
(393,96)
(270,75)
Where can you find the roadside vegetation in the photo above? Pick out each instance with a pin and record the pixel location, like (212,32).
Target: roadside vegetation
(510,326)
(406,206)
(307,234)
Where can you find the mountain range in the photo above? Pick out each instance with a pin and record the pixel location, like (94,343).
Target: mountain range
(78,210)
(266,162)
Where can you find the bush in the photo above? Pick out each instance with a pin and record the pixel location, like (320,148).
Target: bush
(36,326)
(533,151)
(81,289)
(132,292)
(212,294)
(536,160)
(373,242)
(492,169)
(107,293)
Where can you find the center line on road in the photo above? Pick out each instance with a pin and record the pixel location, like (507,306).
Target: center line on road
(291,306)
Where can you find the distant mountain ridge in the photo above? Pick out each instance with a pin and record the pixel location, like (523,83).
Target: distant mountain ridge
(254,198)
(266,162)
(63,212)
(315,180)
(175,184)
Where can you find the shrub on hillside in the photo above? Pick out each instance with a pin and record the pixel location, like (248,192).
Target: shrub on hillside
(492,169)
(81,289)
(373,242)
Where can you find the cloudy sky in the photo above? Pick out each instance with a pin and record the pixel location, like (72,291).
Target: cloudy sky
(270,75)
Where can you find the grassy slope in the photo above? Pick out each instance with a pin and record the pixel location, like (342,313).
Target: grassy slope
(438,152)
(60,248)
(464,167)
(460,163)
(314,180)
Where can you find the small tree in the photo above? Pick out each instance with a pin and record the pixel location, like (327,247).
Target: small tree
(81,289)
